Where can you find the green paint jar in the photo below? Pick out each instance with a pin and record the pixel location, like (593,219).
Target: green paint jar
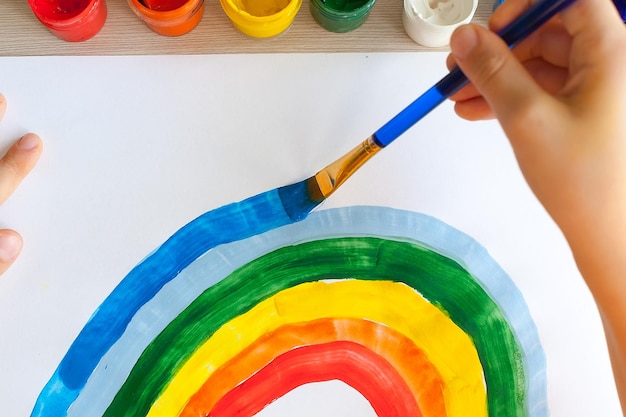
(341,15)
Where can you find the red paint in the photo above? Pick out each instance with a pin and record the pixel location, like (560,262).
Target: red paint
(71,20)
(354,364)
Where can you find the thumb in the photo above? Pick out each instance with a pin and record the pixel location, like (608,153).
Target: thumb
(10,247)
(494,71)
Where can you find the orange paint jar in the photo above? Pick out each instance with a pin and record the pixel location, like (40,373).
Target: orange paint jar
(174,22)
(71,20)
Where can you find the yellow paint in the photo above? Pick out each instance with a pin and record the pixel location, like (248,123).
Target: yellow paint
(393,304)
(262,8)
(261,18)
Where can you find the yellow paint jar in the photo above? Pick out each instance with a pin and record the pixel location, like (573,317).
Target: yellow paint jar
(261,18)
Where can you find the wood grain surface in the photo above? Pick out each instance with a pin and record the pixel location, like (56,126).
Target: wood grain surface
(124,33)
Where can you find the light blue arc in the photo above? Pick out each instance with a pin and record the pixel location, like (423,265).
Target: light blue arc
(358,221)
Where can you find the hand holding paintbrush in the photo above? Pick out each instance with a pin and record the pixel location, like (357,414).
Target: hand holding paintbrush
(300,198)
(561,100)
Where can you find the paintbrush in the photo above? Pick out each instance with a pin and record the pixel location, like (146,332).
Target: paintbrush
(301,198)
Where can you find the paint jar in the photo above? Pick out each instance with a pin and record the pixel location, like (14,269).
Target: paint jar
(431,23)
(71,20)
(261,18)
(170,22)
(341,15)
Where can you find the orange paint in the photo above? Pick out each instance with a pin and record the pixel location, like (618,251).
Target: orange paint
(164,5)
(409,361)
(170,22)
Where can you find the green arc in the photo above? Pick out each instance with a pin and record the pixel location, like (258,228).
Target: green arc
(443,282)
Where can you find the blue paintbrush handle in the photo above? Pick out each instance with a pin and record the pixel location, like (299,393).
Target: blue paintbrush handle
(516,31)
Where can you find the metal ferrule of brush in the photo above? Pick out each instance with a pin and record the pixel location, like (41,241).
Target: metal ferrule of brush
(335,174)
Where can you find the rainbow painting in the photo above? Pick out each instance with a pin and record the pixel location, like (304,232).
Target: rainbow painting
(241,306)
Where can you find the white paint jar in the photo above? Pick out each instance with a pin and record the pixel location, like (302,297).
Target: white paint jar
(431,22)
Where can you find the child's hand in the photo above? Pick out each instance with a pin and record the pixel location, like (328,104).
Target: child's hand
(561,100)
(14,166)
(560,97)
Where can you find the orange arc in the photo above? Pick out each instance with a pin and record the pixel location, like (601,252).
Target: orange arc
(419,374)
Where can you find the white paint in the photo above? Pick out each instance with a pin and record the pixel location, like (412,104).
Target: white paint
(431,22)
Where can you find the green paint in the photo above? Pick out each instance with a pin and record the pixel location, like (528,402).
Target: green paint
(341,15)
(345,5)
(440,280)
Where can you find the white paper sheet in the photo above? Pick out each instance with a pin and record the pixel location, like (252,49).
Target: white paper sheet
(135,147)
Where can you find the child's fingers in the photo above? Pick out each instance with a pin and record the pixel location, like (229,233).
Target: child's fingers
(17,163)
(507,12)
(10,247)
(473,109)
(467,92)
(493,69)
(3,106)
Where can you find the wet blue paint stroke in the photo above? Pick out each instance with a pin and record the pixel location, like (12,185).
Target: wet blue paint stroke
(219,262)
(232,222)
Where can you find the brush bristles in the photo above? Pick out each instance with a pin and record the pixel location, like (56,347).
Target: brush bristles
(301,198)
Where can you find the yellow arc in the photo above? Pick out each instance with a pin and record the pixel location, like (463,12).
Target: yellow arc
(396,305)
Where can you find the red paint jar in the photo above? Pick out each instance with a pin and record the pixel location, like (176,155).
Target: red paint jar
(71,20)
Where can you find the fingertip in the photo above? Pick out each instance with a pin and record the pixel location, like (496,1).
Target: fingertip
(19,160)
(11,245)
(29,142)
(3,105)
(463,41)
(450,62)
(26,152)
